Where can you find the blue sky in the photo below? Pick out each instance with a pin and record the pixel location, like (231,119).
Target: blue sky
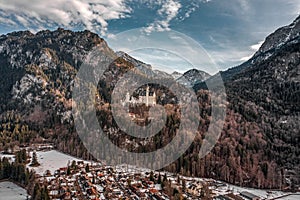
(229,30)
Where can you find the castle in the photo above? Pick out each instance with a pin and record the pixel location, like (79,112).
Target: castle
(148,100)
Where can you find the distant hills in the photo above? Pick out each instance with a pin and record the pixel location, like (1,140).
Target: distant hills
(188,78)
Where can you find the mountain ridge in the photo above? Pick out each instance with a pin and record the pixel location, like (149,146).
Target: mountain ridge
(281,36)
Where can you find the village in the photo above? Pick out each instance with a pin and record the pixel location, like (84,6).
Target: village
(66,177)
(95,181)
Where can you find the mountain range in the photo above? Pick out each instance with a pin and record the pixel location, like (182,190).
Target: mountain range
(259,144)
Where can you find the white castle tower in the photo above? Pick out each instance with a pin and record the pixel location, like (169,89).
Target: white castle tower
(147,96)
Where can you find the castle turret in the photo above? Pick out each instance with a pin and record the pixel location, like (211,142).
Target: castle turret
(154,99)
(127,99)
(147,96)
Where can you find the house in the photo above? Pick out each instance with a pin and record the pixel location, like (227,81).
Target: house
(194,189)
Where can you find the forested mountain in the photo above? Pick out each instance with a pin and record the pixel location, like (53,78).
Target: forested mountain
(259,145)
(37,73)
(264,102)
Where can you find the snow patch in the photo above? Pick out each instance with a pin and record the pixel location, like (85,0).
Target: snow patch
(21,88)
(10,191)
(52,160)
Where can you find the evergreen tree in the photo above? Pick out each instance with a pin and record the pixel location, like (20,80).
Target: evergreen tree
(36,195)
(45,194)
(34,161)
(68,170)
(165,178)
(87,168)
(151,176)
(183,185)
(159,179)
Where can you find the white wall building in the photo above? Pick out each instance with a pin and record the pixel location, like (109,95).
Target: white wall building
(148,100)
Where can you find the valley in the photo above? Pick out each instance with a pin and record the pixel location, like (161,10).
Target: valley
(258,146)
(58,170)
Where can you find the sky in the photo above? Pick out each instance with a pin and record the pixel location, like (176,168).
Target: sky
(230,31)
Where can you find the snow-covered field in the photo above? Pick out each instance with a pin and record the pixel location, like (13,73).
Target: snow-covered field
(52,160)
(10,191)
(263,194)
(291,197)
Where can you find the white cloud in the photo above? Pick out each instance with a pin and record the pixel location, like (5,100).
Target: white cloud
(255,47)
(244,5)
(92,14)
(4,20)
(191,9)
(227,53)
(169,11)
(167,50)
(162,60)
(166,13)
(230,55)
(245,58)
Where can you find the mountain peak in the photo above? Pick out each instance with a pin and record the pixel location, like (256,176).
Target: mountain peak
(280,36)
(176,75)
(192,77)
(197,72)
